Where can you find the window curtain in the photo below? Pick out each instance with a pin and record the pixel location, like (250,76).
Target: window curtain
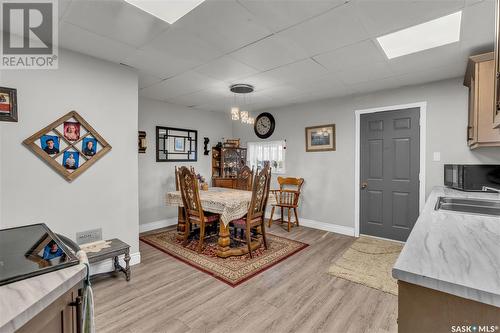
(272,151)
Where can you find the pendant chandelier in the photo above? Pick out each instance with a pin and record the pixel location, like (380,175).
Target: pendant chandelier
(240,97)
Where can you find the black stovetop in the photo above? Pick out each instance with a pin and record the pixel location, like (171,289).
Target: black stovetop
(31,250)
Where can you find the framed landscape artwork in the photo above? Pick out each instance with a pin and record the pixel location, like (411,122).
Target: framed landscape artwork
(8,104)
(69,145)
(320,138)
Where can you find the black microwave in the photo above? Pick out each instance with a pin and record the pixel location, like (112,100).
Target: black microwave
(471,177)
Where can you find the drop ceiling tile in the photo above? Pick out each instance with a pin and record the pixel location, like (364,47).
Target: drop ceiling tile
(146,80)
(328,85)
(278,15)
(115,19)
(159,64)
(431,74)
(382,17)
(439,56)
(334,29)
(269,53)
(179,43)
(203,97)
(375,85)
(181,84)
(226,69)
(225,24)
(478,26)
(76,39)
(353,55)
(300,72)
(365,72)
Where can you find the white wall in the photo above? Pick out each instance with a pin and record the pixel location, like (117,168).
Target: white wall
(157,178)
(106,195)
(328,192)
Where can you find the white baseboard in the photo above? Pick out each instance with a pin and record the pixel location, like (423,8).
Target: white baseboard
(157,224)
(107,265)
(339,229)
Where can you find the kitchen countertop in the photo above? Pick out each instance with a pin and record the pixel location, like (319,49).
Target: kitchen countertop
(22,300)
(453,252)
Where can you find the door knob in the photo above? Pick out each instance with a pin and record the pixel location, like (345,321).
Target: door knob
(364,185)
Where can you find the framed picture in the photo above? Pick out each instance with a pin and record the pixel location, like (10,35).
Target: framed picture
(8,104)
(50,144)
(70,145)
(176,144)
(179,144)
(71,130)
(89,146)
(71,160)
(320,138)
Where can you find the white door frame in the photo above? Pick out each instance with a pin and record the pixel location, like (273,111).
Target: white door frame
(357,168)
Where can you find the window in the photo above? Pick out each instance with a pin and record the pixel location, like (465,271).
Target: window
(272,151)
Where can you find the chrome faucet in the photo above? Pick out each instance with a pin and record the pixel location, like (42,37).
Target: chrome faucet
(487,188)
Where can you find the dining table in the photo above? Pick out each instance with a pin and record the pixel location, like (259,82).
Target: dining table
(230,204)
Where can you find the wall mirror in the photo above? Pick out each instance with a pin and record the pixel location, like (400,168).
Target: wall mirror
(176,144)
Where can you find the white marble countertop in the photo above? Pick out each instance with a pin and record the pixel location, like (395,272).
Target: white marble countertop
(454,252)
(22,300)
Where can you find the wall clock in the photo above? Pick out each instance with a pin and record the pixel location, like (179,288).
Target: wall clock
(264,125)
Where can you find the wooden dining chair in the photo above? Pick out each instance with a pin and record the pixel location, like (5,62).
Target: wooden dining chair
(257,207)
(193,211)
(287,197)
(244,178)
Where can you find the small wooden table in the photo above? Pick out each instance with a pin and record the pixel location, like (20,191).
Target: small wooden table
(231,205)
(116,249)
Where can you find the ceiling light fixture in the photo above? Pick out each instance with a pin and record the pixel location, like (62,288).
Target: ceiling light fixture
(166,10)
(441,31)
(241,89)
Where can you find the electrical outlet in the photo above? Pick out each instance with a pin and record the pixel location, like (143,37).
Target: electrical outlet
(89,236)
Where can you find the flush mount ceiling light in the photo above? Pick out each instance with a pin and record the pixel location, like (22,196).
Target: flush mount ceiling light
(166,10)
(442,31)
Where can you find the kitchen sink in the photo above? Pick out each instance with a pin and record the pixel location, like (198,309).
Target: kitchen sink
(472,206)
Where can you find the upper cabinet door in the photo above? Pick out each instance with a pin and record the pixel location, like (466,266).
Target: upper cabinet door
(496,113)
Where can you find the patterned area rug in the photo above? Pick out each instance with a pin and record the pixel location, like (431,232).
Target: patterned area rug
(369,261)
(232,270)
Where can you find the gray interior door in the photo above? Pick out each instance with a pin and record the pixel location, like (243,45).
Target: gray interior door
(390,167)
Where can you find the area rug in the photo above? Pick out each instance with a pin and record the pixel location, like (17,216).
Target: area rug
(232,270)
(369,261)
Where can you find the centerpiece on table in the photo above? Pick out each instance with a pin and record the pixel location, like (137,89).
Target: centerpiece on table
(203,183)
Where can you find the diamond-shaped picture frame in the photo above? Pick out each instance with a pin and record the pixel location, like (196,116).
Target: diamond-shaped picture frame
(69,145)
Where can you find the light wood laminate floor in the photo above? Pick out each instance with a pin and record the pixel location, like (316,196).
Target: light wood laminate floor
(296,295)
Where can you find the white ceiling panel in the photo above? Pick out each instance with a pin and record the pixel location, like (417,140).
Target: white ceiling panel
(332,30)
(182,84)
(384,16)
(160,64)
(269,53)
(76,39)
(280,14)
(300,72)
(226,69)
(146,80)
(115,19)
(478,25)
(180,43)
(237,28)
(375,85)
(439,56)
(432,74)
(351,56)
(365,72)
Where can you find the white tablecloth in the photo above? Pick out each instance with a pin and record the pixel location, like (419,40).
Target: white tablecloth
(230,204)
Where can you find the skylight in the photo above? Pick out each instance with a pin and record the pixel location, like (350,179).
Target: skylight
(166,10)
(442,31)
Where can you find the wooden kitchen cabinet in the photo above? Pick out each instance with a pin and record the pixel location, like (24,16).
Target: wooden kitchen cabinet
(60,316)
(422,309)
(480,79)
